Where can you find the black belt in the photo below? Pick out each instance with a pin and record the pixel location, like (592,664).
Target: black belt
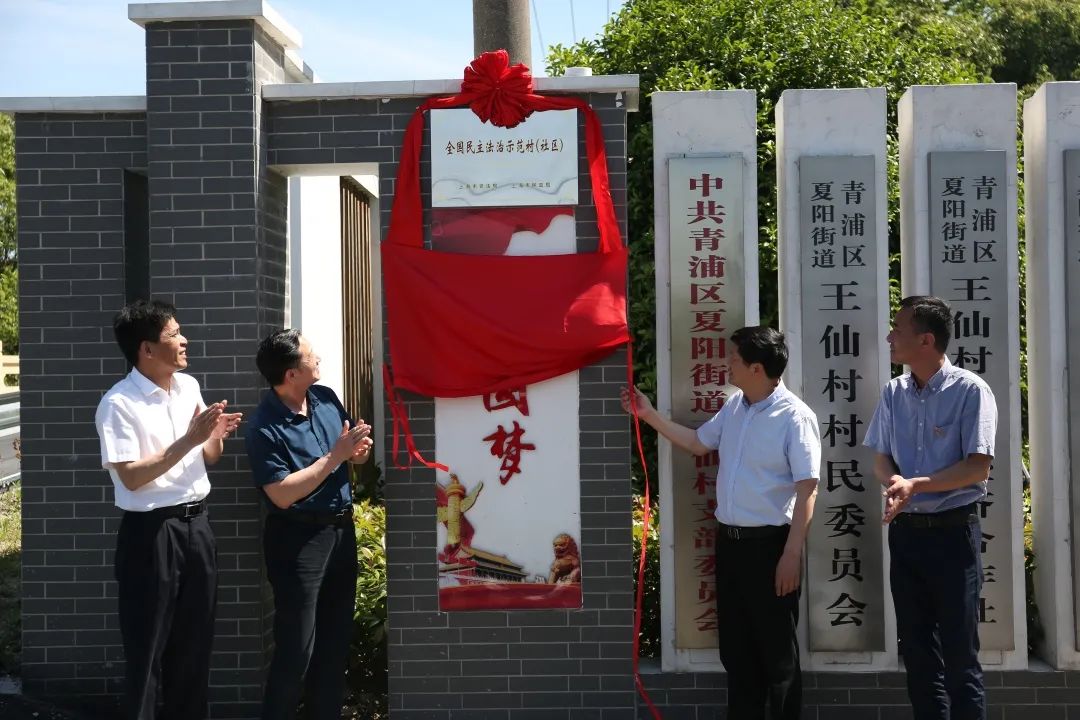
(343,517)
(185,511)
(947,518)
(733,532)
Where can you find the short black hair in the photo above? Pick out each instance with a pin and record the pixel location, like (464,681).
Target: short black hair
(139,321)
(278,352)
(762,344)
(932,315)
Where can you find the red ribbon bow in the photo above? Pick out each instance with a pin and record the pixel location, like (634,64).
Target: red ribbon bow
(496,90)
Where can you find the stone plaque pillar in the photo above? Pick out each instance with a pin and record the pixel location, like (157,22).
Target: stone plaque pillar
(1052,218)
(706,270)
(958,236)
(833,258)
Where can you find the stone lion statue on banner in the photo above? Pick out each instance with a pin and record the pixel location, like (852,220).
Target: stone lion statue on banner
(566,570)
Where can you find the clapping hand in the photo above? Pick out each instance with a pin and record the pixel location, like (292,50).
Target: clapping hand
(353,444)
(897,494)
(226,422)
(203,424)
(363,450)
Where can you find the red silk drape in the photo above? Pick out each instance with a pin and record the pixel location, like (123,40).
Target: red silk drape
(462,325)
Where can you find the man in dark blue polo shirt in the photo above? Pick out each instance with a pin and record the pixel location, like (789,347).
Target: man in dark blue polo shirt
(298,442)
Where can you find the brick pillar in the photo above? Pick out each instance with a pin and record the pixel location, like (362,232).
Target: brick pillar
(524,664)
(71,281)
(217,250)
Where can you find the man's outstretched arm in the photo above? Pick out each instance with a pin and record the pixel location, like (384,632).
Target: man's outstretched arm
(679,435)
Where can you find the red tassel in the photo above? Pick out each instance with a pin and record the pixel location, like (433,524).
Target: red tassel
(645,518)
(401,428)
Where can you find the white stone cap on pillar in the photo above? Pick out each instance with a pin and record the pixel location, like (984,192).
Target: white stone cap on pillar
(258,10)
(76,104)
(626,85)
(264,16)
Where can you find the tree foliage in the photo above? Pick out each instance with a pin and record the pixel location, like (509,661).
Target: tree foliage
(769,46)
(7,190)
(9,291)
(9,309)
(1039,40)
(367,672)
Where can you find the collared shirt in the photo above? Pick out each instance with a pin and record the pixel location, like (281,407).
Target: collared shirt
(281,442)
(136,419)
(927,430)
(764,448)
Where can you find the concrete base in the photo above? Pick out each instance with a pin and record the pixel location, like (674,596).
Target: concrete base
(1039,692)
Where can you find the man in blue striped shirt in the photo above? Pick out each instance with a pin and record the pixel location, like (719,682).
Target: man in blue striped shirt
(933,432)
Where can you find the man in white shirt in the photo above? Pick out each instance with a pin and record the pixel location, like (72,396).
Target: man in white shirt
(769,452)
(157,437)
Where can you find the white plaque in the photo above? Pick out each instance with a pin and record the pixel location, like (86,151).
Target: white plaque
(474,163)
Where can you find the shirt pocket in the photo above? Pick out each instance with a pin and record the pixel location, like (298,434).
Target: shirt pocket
(946,441)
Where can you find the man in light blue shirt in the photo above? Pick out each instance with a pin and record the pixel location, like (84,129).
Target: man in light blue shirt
(769,453)
(934,435)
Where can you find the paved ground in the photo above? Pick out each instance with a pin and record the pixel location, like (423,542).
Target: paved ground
(17,707)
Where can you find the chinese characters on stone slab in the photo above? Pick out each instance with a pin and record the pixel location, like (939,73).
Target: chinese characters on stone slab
(707,292)
(840,359)
(969,246)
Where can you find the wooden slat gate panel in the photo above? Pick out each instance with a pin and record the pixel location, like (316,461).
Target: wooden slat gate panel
(357,309)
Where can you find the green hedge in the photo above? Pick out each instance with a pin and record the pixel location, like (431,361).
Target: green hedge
(367,688)
(650,601)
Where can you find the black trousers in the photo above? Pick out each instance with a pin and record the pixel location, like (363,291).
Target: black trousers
(936,575)
(756,630)
(312,569)
(166,569)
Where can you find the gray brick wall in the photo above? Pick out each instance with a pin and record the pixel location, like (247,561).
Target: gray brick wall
(217,250)
(1013,695)
(538,664)
(527,664)
(69,186)
(271,259)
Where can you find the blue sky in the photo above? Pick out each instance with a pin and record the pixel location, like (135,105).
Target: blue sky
(89,47)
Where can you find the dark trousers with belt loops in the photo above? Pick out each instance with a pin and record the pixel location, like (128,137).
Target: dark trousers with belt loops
(166,570)
(936,576)
(312,568)
(756,628)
